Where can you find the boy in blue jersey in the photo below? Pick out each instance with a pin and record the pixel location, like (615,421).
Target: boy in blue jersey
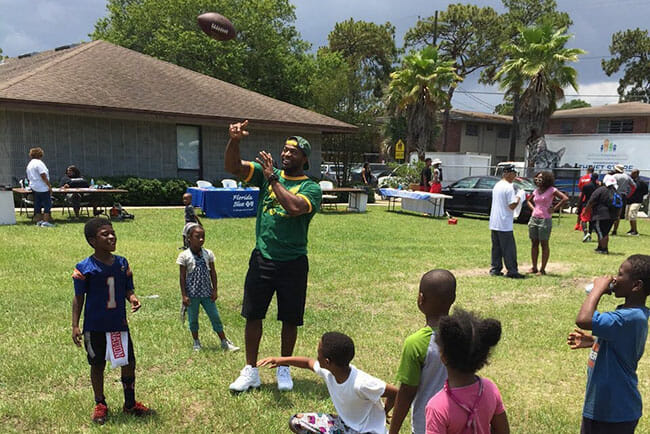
(104,282)
(612,400)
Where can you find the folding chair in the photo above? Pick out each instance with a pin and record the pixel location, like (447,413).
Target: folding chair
(329,200)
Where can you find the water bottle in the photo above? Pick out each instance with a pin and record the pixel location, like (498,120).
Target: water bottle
(26,183)
(92,183)
(239,184)
(589,287)
(22,185)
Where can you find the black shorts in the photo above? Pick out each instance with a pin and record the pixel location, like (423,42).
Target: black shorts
(287,278)
(95,344)
(590,426)
(602,227)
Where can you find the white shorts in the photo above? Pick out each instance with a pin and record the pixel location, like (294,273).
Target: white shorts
(632,211)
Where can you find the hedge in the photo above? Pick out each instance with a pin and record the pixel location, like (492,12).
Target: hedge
(146,191)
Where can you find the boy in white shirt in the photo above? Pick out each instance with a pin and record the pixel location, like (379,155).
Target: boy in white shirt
(355,394)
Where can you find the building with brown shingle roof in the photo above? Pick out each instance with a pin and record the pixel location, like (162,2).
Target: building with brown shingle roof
(112,111)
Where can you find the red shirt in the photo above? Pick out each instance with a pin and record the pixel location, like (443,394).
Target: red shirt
(584,180)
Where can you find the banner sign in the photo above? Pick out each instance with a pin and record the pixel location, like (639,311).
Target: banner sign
(603,151)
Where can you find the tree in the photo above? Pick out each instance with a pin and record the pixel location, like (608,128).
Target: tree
(631,50)
(536,69)
(506,108)
(419,89)
(574,103)
(267,56)
(369,52)
(467,34)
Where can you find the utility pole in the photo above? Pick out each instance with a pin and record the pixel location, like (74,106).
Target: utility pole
(435,29)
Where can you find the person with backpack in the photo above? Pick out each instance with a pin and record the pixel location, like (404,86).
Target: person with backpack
(605,205)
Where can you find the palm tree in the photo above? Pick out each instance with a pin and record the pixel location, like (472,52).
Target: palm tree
(535,75)
(419,90)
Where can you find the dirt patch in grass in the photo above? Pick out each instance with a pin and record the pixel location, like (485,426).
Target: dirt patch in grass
(553,268)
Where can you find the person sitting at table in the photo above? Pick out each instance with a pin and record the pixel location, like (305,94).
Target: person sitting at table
(73,179)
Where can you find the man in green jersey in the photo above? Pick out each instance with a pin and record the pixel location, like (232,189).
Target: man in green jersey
(278,264)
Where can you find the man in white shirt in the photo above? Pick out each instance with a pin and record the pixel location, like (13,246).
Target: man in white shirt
(504,202)
(39,182)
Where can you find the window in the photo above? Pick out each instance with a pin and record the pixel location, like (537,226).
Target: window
(503,132)
(188,150)
(614,126)
(465,183)
(566,128)
(471,130)
(486,183)
(489,127)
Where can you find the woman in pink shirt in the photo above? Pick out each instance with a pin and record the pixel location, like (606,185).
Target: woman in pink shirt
(467,404)
(541,222)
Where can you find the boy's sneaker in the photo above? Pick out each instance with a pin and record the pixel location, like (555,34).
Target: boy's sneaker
(249,378)
(634,234)
(45,224)
(586,238)
(226,345)
(139,409)
(99,413)
(196,346)
(283,375)
(38,223)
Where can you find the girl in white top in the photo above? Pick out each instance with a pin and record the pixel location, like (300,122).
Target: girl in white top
(355,394)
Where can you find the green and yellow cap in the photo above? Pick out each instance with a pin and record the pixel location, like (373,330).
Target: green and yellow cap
(302,144)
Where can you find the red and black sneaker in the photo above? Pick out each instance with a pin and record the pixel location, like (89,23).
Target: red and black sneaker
(139,409)
(100,413)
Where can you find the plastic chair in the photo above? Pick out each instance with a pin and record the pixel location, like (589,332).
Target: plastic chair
(203,184)
(329,200)
(229,183)
(27,204)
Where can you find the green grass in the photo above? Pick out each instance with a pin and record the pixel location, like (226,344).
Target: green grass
(364,272)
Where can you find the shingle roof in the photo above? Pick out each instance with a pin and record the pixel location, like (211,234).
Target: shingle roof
(611,110)
(480,117)
(113,78)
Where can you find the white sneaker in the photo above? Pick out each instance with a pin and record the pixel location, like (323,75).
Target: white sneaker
(283,374)
(46,225)
(196,346)
(40,222)
(226,345)
(248,378)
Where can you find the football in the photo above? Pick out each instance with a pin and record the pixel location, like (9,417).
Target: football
(216,26)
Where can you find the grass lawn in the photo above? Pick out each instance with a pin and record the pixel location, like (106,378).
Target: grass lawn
(364,273)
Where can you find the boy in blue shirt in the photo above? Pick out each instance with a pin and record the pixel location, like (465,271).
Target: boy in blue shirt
(104,282)
(612,401)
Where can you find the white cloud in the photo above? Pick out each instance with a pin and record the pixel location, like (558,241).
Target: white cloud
(605,88)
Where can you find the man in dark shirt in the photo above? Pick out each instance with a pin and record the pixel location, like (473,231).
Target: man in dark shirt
(635,200)
(425,176)
(603,214)
(586,190)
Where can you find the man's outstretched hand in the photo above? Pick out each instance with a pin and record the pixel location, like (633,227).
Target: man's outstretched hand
(238,130)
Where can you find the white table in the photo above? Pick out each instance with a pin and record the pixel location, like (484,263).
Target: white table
(7,211)
(416,201)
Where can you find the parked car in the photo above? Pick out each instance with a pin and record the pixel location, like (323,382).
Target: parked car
(376,171)
(473,195)
(331,172)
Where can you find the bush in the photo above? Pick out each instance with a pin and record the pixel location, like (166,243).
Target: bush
(145,191)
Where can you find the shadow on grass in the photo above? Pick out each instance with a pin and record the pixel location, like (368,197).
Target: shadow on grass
(417,215)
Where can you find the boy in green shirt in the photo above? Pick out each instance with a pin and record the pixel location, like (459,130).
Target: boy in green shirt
(421,374)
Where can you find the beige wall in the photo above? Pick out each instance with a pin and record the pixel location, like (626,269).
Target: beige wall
(488,142)
(116,147)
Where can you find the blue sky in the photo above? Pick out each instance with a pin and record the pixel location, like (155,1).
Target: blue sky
(37,25)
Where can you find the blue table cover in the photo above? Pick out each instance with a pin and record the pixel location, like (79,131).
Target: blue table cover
(225,202)
(392,192)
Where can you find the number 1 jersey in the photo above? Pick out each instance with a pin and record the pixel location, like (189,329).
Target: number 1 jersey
(105,288)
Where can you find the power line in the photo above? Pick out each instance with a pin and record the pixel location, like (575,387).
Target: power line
(567,95)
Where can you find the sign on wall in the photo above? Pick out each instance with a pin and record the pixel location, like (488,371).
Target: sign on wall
(603,151)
